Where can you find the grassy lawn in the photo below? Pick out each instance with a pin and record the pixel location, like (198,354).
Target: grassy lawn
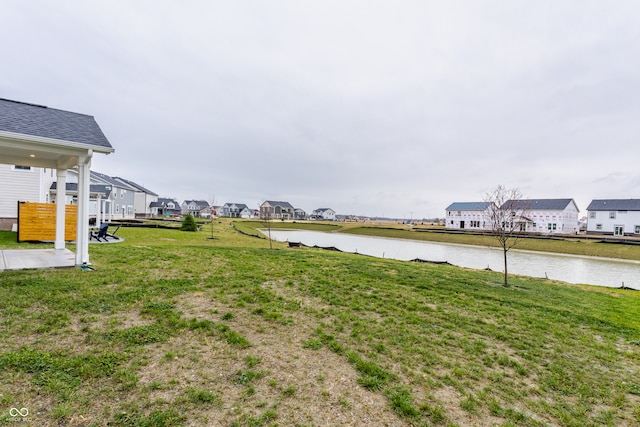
(176,329)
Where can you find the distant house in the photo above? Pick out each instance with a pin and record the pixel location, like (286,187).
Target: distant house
(548,216)
(276,210)
(299,214)
(122,195)
(118,203)
(193,207)
(164,207)
(142,198)
(324,213)
(468,216)
(236,210)
(620,217)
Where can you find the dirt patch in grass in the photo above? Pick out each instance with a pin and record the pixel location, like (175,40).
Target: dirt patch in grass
(302,385)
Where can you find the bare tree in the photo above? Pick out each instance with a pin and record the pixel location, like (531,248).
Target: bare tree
(212,211)
(266,216)
(507,218)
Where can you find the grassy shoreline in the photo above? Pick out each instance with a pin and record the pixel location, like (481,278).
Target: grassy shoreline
(568,245)
(174,328)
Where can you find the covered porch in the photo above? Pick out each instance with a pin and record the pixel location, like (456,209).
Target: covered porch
(37,136)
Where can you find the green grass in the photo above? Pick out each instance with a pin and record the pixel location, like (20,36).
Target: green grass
(173,328)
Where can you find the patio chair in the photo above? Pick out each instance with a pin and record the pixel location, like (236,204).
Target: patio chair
(103,235)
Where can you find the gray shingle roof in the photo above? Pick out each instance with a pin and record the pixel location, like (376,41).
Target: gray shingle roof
(38,120)
(136,186)
(468,206)
(614,205)
(281,204)
(538,204)
(72,187)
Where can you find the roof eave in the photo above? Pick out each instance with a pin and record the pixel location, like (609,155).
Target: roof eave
(44,142)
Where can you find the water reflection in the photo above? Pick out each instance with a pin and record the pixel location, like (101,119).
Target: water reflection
(567,268)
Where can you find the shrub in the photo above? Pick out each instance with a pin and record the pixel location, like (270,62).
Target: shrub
(189,224)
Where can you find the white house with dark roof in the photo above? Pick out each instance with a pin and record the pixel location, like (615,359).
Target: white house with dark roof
(547,216)
(324,214)
(468,216)
(276,210)
(620,217)
(38,137)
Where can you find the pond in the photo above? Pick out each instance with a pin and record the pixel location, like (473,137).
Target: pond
(566,268)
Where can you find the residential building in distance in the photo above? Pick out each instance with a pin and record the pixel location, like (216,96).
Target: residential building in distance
(165,207)
(236,210)
(193,207)
(619,217)
(547,216)
(276,210)
(324,214)
(142,198)
(468,216)
(299,214)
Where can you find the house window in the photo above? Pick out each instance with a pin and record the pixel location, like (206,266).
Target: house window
(637,229)
(552,226)
(612,215)
(598,226)
(117,208)
(592,215)
(122,193)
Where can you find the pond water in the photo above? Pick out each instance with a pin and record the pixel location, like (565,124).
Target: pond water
(567,268)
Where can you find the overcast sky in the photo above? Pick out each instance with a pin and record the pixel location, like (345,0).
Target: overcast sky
(394,108)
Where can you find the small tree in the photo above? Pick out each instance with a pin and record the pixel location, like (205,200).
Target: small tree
(189,223)
(266,217)
(507,218)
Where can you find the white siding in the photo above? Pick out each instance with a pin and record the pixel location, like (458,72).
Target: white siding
(628,219)
(473,220)
(19,185)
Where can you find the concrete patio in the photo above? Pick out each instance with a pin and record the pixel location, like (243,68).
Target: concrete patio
(21,259)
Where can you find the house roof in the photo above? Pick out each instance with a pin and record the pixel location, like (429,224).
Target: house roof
(162,202)
(538,204)
(202,203)
(112,181)
(72,187)
(468,206)
(614,205)
(324,210)
(281,204)
(38,120)
(136,186)
(240,206)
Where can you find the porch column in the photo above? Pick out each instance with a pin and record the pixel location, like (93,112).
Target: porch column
(98,210)
(61,196)
(82,229)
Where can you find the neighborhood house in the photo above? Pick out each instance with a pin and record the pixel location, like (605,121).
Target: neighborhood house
(618,217)
(544,216)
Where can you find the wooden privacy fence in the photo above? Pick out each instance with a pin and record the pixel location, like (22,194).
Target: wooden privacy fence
(37,222)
